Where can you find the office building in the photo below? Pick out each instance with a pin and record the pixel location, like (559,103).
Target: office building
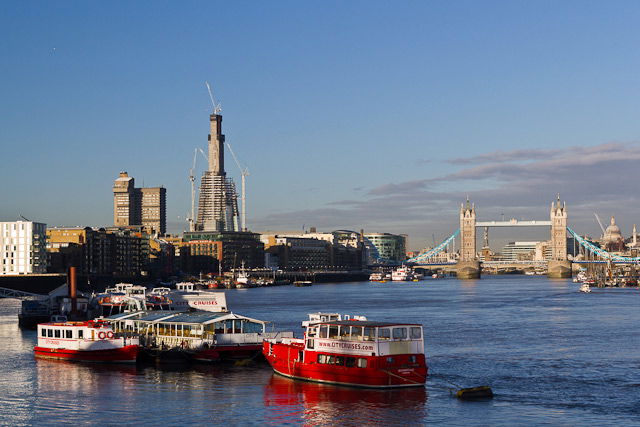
(236,247)
(139,206)
(386,247)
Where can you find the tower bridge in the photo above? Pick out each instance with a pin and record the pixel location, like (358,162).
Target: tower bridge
(468,266)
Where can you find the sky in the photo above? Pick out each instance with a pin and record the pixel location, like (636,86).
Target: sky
(373,115)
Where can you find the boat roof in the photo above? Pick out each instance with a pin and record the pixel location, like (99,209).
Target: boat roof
(196,317)
(367,323)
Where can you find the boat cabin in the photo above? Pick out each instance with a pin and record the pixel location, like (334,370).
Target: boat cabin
(364,337)
(192,329)
(320,317)
(63,334)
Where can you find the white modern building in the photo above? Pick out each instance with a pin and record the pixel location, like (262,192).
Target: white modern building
(23,247)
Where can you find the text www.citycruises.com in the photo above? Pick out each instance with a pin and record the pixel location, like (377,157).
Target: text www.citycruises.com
(346,345)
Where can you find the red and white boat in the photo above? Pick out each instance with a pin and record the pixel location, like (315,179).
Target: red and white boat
(351,351)
(90,341)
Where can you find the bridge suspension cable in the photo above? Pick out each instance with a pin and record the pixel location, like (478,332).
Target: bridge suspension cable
(433,252)
(599,251)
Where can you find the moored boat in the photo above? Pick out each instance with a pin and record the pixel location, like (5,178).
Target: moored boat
(353,352)
(402,274)
(195,335)
(90,341)
(302,283)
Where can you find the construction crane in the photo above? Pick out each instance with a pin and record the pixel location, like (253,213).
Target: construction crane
(244,172)
(216,107)
(192,178)
(599,223)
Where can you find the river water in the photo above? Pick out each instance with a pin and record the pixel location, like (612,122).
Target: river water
(551,354)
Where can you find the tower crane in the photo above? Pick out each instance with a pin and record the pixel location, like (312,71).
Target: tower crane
(192,178)
(244,172)
(599,223)
(216,107)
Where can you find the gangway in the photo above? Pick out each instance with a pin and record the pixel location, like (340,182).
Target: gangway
(21,295)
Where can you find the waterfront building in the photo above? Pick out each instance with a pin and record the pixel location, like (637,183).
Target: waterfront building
(345,250)
(237,247)
(519,251)
(139,206)
(203,256)
(386,247)
(23,247)
(218,199)
(300,253)
(115,251)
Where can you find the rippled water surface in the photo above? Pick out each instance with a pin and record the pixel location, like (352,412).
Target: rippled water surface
(551,355)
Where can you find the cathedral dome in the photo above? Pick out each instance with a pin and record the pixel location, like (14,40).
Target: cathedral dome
(612,233)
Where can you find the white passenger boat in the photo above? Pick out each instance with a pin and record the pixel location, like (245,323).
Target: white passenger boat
(197,335)
(402,274)
(90,341)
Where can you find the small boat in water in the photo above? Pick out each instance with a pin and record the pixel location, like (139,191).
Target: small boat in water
(90,341)
(348,351)
(301,283)
(585,288)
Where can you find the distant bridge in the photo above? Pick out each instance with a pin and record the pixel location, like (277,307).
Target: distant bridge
(558,265)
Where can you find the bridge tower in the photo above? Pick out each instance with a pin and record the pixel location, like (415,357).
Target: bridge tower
(467,232)
(468,266)
(559,267)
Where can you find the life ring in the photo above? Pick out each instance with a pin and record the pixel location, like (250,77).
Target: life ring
(102,335)
(110,335)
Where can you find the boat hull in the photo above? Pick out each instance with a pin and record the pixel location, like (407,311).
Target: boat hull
(376,374)
(127,354)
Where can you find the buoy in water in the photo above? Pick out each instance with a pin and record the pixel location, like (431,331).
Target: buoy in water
(475,393)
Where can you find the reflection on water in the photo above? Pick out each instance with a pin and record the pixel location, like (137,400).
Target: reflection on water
(290,400)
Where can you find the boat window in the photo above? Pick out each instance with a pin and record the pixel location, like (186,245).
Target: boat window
(389,360)
(344,332)
(369,334)
(412,359)
(324,330)
(333,331)
(356,333)
(350,362)
(228,327)
(43,332)
(80,333)
(252,328)
(50,333)
(331,360)
(56,333)
(69,333)
(312,332)
(416,332)
(339,360)
(399,333)
(309,343)
(322,358)
(384,333)
(362,363)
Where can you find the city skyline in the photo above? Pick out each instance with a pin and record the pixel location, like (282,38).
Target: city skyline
(359,115)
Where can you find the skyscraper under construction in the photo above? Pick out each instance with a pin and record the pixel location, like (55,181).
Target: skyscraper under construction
(218,200)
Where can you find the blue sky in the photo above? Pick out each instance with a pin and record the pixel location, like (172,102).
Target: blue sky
(375,115)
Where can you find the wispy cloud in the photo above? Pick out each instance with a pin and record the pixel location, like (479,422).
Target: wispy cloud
(520,183)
